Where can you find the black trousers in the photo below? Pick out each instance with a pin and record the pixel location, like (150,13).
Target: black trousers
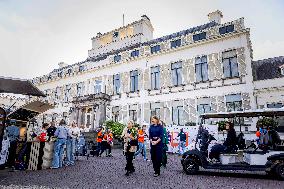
(164,156)
(156,156)
(109,148)
(104,147)
(129,164)
(12,154)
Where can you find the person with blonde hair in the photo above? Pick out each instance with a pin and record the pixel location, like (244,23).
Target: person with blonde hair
(130,138)
(71,143)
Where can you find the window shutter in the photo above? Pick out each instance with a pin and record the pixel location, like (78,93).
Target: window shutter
(147,112)
(192,110)
(166,80)
(214,104)
(147,83)
(124,112)
(221,104)
(185,75)
(246,101)
(108,113)
(125,81)
(109,85)
(140,80)
(191,70)
(211,67)
(241,61)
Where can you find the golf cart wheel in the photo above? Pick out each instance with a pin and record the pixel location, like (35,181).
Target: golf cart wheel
(280,171)
(190,166)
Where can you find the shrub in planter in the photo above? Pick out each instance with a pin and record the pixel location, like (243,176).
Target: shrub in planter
(116,128)
(267,122)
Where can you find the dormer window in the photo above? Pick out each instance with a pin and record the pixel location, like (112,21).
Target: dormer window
(200,36)
(59,74)
(49,78)
(81,68)
(135,53)
(115,34)
(226,29)
(117,58)
(176,43)
(69,71)
(155,49)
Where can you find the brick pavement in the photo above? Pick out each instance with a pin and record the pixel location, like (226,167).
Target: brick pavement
(109,173)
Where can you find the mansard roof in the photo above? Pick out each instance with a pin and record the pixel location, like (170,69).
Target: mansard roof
(267,68)
(161,39)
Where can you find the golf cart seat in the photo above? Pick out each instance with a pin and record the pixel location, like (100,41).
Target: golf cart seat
(255,152)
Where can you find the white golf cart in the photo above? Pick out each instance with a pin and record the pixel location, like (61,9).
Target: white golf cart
(249,158)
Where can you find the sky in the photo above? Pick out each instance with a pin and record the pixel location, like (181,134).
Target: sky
(35,35)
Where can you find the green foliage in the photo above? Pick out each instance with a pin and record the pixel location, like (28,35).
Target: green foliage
(221,125)
(266,122)
(116,128)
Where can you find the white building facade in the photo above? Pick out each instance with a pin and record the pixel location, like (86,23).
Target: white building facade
(207,68)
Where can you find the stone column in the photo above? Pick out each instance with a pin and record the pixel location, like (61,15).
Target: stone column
(79,117)
(92,118)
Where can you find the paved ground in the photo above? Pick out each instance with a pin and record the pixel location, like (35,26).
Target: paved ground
(109,173)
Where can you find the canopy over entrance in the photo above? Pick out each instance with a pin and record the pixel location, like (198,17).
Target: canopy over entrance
(19,86)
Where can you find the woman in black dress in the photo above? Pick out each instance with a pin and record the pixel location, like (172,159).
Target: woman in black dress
(156,135)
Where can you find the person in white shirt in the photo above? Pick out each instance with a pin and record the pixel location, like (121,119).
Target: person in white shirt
(74,133)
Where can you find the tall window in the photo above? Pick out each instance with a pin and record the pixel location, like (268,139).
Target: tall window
(156,112)
(80,89)
(155,49)
(98,86)
(135,53)
(134,81)
(117,58)
(178,115)
(155,77)
(199,36)
(226,29)
(176,43)
(67,92)
(176,73)
(115,113)
(203,108)
(57,93)
(133,115)
(116,83)
(230,64)
(201,69)
(234,102)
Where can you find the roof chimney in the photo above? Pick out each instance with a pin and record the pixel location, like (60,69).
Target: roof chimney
(215,16)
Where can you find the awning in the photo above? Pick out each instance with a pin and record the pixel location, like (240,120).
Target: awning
(19,86)
(30,110)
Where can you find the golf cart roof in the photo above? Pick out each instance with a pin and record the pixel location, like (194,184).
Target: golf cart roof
(271,112)
(30,110)
(19,86)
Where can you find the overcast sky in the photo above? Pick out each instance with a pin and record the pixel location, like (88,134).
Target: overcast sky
(37,34)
